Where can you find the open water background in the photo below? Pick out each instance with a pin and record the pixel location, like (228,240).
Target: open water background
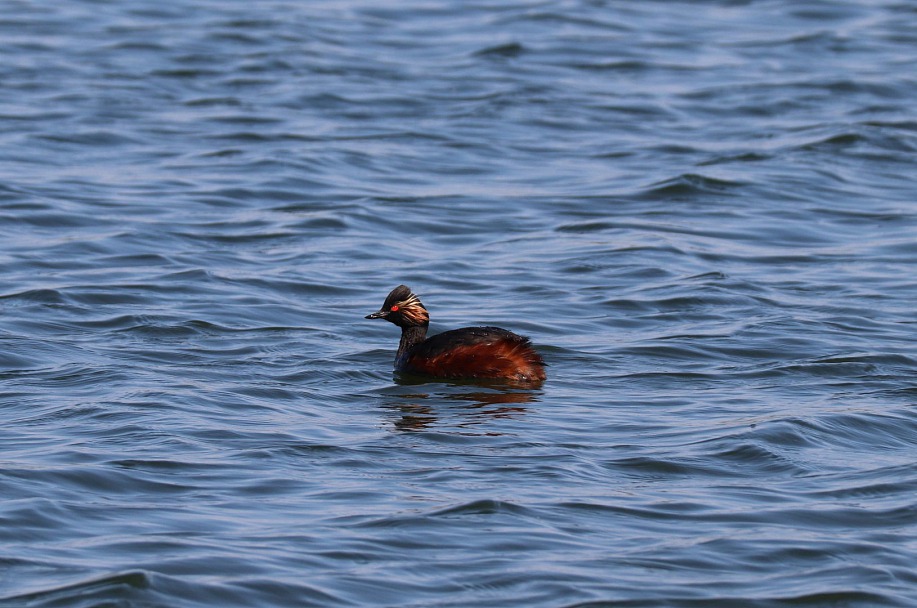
(703,213)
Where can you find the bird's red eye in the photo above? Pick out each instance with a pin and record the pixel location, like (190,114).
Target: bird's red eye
(395,308)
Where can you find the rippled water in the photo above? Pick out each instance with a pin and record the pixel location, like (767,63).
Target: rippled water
(703,214)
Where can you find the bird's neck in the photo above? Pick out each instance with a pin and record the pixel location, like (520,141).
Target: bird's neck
(410,337)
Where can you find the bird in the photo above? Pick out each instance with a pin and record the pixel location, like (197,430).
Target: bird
(468,353)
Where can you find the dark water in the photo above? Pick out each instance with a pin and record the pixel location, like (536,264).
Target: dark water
(703,213)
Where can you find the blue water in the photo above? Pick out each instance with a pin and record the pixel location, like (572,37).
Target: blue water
(704,215)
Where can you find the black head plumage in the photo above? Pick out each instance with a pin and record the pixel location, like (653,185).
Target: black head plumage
(403,308)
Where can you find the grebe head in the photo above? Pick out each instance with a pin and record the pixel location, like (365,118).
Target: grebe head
(403,308)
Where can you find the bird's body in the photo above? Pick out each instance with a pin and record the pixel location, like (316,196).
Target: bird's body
(469,352)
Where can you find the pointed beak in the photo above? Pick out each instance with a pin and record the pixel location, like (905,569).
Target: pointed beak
(377,315)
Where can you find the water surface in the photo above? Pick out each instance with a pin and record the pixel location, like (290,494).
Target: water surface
(703,214)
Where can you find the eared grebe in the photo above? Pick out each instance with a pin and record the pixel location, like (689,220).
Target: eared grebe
(470,352)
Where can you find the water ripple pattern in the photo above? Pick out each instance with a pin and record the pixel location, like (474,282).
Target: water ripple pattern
(704,214)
